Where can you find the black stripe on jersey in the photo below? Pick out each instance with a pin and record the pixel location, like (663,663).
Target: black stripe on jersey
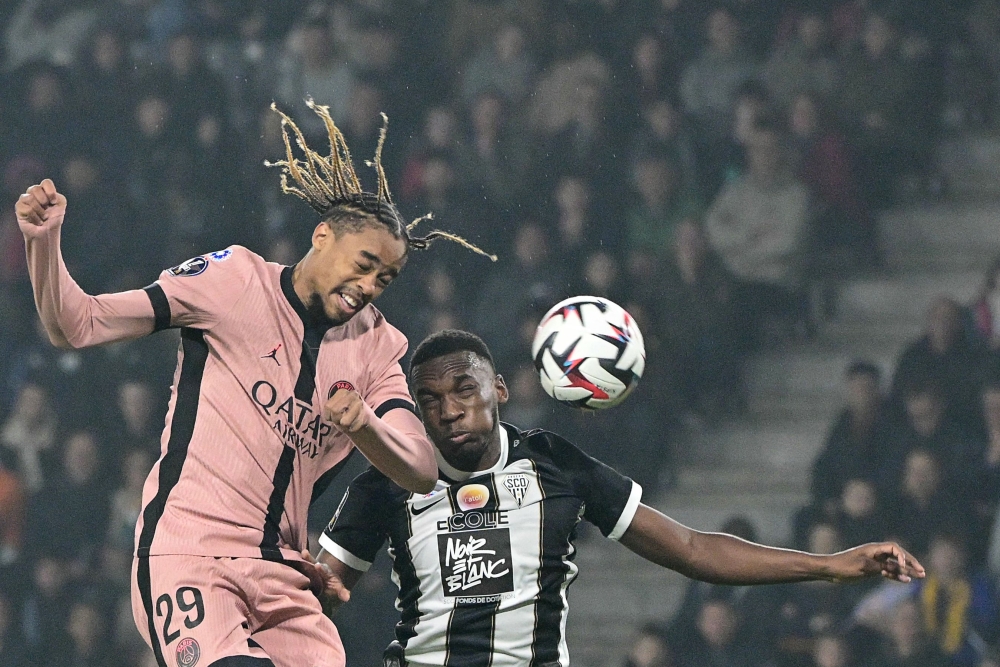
(470,635)
(161,307)
(312,337)
(323,483)
(142,581)
(409,587)
(392,404)
(195,354)
(276,505)
(549,608)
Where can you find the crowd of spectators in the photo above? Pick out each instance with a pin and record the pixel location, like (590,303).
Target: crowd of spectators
(705,164)
(915,460)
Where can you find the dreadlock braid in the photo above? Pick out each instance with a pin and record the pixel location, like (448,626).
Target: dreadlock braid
(331,187)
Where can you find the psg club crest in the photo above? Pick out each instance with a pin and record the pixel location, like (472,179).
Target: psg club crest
(188,652)
(337,386)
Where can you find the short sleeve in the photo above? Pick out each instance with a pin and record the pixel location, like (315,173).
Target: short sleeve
(388,389)
(358,529)
(610,498)
(200,292)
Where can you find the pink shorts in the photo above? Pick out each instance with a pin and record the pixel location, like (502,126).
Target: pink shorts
(197,611)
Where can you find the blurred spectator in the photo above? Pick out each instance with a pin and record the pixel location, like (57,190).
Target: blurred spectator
(527,407)
(986,308)
(12,516)
(69,515)
(48,31)
(46,608)
(959,603)
(663,131)
(876,99)
(126,501)
(830,650)
(709,83)
(503,65)
(577,226)
(986,474)
(652,74)
(843,227)
(923,505)
(138,425)
(312,67)
(907,643)
(853,447)
(757,224)
(715,640)
(40,125)
(12,650)
(697,322)
(859,519)
(945,354)
(805,64)
(88,646)
(650,649)
(439,136)
(29,433)
(662,206)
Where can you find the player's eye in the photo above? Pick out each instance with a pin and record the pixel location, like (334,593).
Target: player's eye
(384,280)
(364,268)
(467,390)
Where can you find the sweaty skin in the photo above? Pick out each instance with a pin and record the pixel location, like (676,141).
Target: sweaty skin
(458,395)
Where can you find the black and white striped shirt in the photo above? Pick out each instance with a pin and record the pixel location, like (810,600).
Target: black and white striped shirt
(483,562)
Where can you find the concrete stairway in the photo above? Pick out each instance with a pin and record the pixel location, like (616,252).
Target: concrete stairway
(759,466)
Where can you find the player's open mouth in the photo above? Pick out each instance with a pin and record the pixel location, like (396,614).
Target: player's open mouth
(348,302)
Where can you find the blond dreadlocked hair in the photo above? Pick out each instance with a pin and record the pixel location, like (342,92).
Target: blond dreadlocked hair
(331,187)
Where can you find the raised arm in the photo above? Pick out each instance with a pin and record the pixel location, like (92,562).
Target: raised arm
(71,317)
(723,559)
(395,443)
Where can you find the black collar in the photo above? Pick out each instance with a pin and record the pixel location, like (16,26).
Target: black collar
(309,320)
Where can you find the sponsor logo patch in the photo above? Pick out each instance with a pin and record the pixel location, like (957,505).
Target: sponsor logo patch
(472,496)
(476,566)
(517,485)
(188,652)
(337,386)
(192,267)
(220,255)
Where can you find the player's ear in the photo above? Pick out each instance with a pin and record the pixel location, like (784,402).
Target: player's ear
(322,235)
(501,387)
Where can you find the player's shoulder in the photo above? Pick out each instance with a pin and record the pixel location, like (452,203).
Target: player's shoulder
(230,261)
(539,443)
(372,322)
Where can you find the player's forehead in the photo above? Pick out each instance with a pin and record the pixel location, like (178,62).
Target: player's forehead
(372,243)
(442,372)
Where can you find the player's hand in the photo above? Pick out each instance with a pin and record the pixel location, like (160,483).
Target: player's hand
(40,209)
(326,585)
(887,559)
(345,410)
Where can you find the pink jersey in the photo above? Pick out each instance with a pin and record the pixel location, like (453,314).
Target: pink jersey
(245,449)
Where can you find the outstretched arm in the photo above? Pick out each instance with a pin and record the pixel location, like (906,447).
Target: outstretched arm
(723,559)
(71,317)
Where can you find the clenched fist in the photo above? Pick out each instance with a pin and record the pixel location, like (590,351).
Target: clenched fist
(40,209)
(346,411)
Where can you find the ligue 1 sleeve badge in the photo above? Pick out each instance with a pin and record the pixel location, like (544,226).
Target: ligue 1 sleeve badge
(188,652)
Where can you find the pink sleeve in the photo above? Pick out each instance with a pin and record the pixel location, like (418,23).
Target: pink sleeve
(72,317)
(389,389)
(200,292)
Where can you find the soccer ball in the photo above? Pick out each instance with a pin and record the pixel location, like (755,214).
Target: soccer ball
(588,352)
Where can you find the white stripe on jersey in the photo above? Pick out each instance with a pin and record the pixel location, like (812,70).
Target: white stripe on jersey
(342,554)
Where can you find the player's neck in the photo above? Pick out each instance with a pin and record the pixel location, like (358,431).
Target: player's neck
(490,458)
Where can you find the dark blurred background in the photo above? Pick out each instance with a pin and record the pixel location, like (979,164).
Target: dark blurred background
(777,191)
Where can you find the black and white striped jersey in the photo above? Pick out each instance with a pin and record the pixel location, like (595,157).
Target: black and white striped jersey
(484,561)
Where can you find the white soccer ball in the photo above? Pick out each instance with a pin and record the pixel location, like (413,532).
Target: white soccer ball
(588,352)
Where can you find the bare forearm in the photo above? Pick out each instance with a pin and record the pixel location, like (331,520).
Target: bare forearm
(716,557)
(398,446)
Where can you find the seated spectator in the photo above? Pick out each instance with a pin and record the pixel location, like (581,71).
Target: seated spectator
(29,434)
(45,610)
(945,353)
(69,516)
(578,231)
(859,519)
(906,643)
(503,65)
(986,308)
(663,204)
(853,447)
(877,102)
(664,131)
(986,482)
(126,501)
(715,642)
(697,323)
(959,602)
(651,649)
(38,31)
(758,224)
(89,645)
(843,228)
(12,508)
(139,425)
(708,84)
(12,649)
(439,135)
(804,64)
(652,73)
(923,505)
(832,650)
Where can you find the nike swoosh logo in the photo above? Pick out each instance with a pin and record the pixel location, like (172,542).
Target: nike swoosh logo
(417,511)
